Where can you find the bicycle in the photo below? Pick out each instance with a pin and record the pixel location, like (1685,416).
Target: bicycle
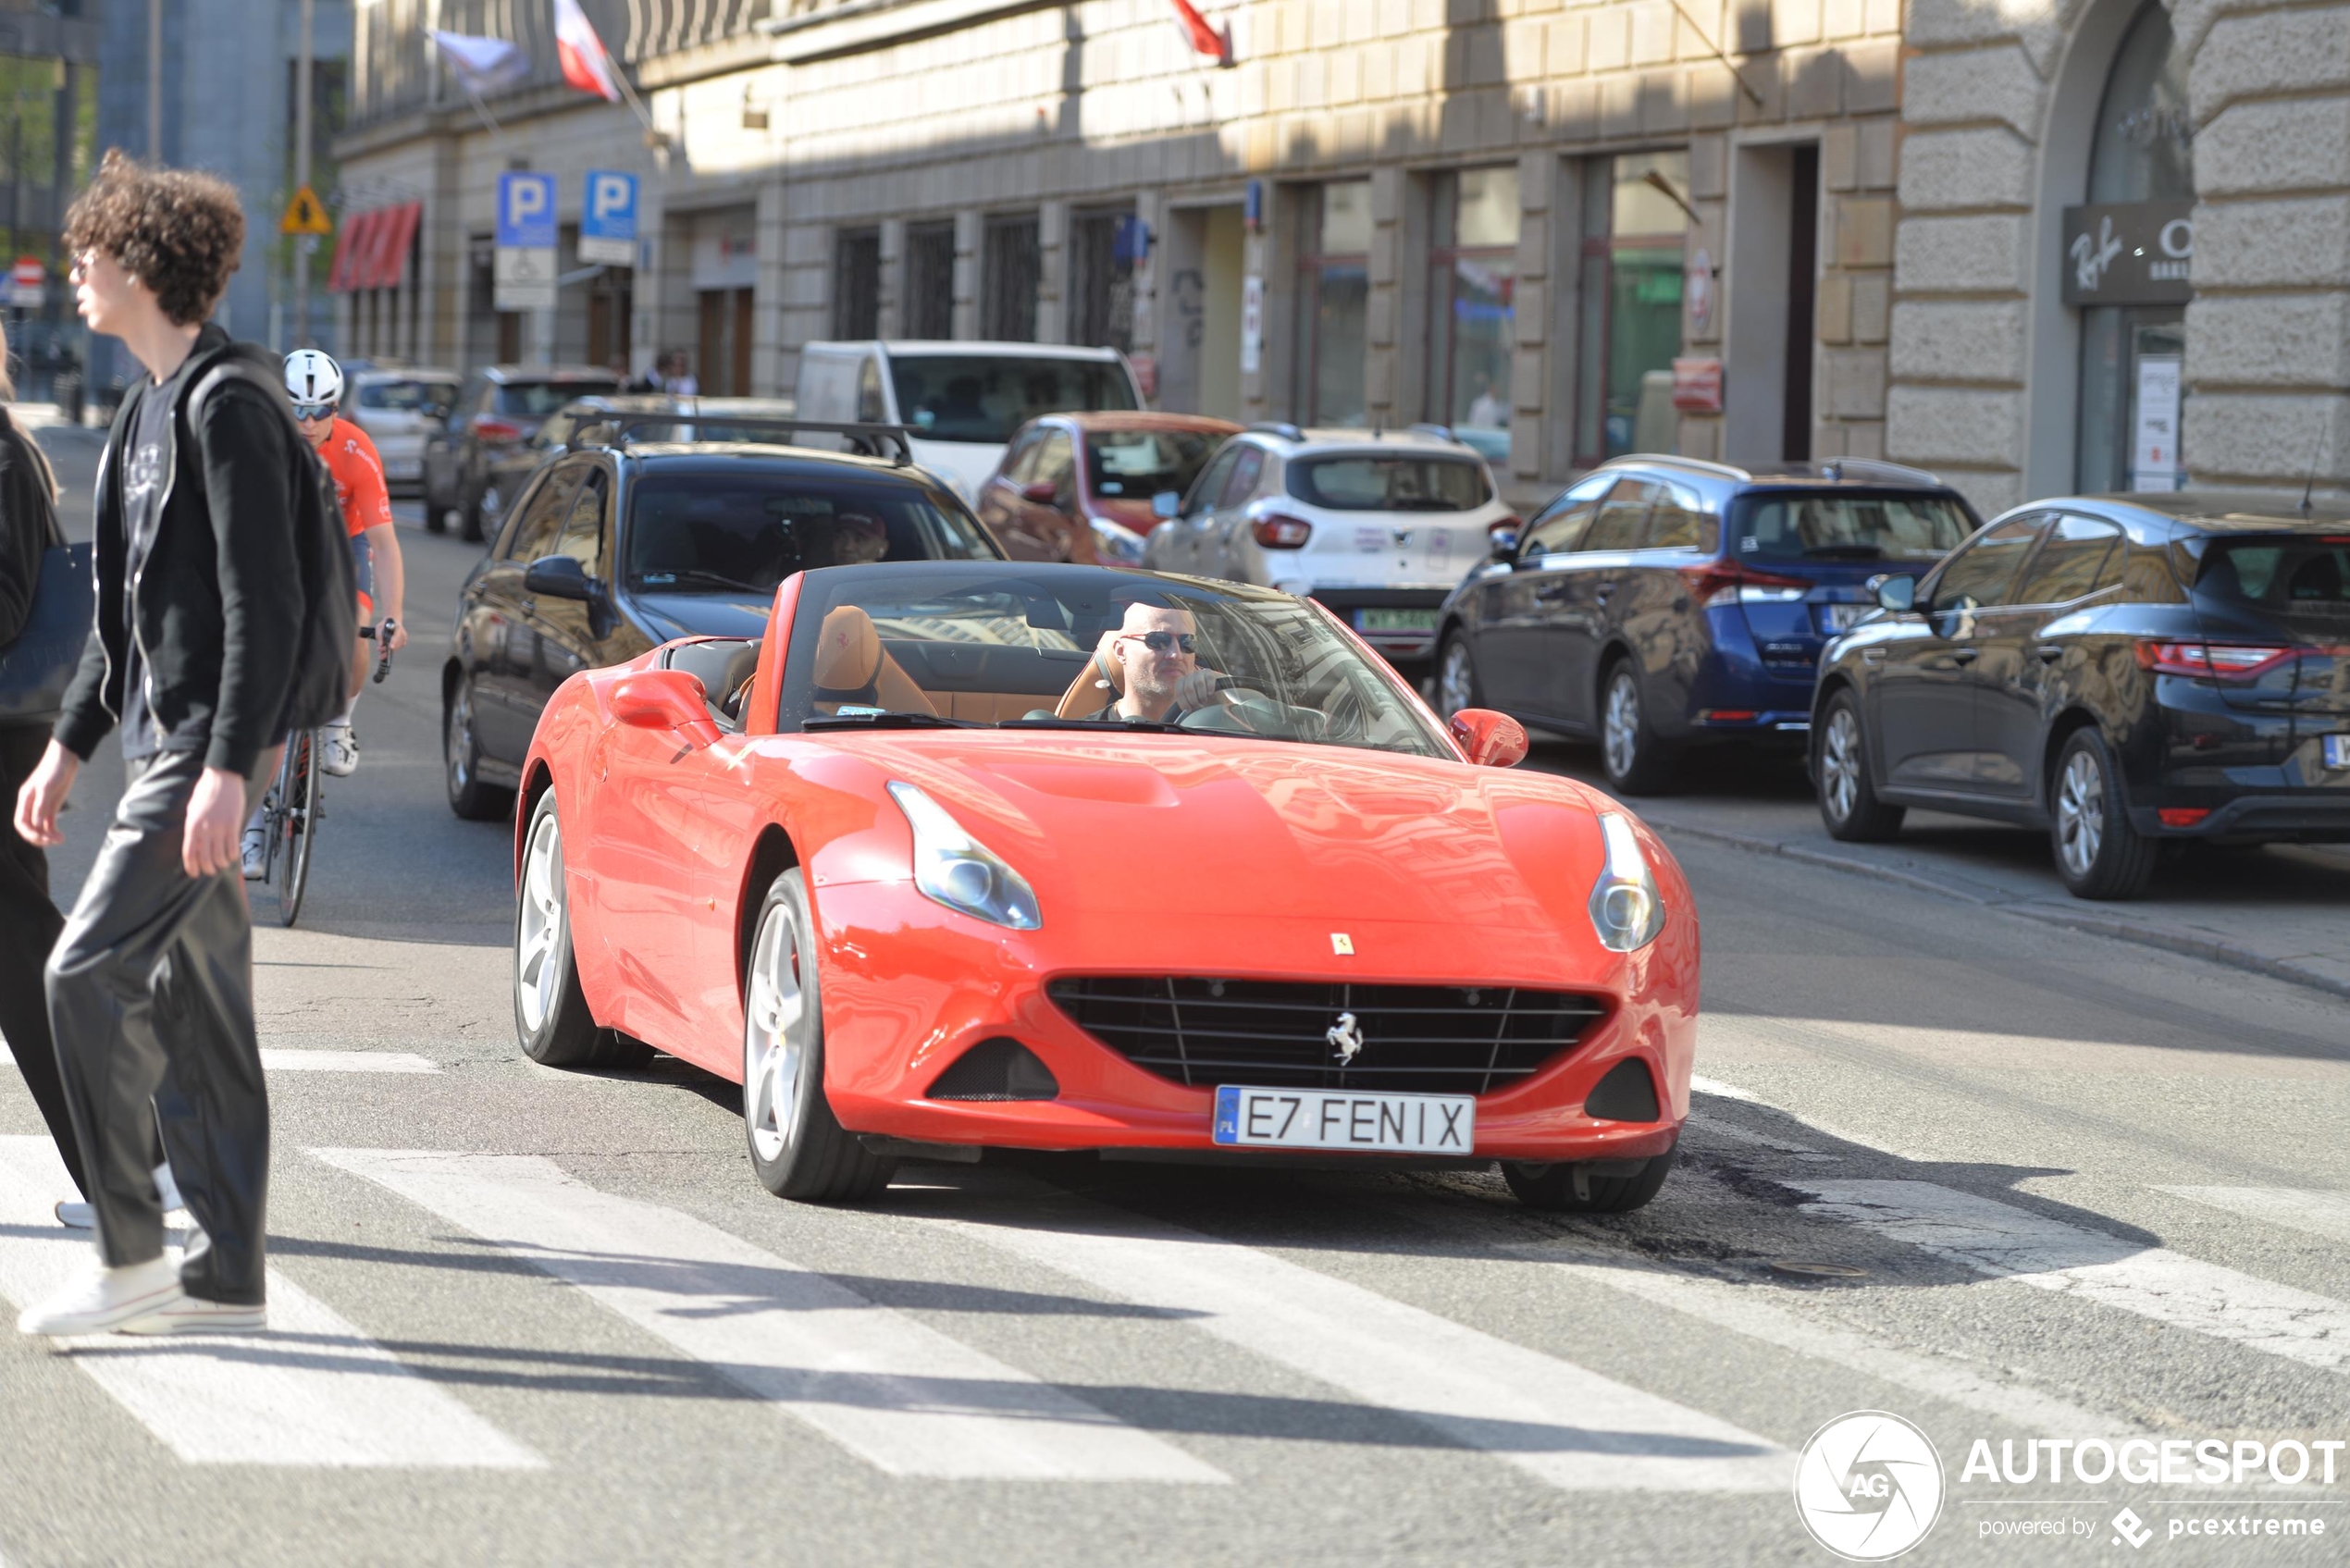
(292,808)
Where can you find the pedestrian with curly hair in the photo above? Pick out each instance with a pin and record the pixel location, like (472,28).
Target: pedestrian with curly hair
(201,609)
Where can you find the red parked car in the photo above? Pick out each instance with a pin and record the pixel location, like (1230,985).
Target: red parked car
(1078,486)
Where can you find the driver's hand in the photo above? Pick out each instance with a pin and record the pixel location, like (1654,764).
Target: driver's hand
(1198,688)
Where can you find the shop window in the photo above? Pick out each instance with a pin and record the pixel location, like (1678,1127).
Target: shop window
(1009,272)
(1101,272)
(1634,231)
(1333,299)
(856,283)
(930,280)
(1472,304)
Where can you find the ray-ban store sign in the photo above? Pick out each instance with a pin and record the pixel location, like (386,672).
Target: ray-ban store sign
(2128,253)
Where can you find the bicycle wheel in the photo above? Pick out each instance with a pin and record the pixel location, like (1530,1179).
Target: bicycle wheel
(301,810)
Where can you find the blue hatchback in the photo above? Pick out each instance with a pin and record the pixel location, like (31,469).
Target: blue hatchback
(1662,602)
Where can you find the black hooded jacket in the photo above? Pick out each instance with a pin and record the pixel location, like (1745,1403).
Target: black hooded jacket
(218,603)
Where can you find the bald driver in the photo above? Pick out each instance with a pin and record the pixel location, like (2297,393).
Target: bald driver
(1154,653)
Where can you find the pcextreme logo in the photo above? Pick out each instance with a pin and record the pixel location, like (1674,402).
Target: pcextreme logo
(1868,1486)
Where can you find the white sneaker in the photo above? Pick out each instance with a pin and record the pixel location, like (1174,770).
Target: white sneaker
(105,1299)
(257,854)
(78,1216)
(338,750)
(194,1314)
(168,1190)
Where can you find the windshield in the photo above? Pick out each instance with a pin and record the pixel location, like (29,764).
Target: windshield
(985,397)
(537,399)
(2303,583)
(431,398)
(741,533)
(1138,465)
(1022,645)
(1837,526)
(1374,483)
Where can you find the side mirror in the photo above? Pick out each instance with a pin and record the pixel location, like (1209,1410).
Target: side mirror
(1167,504)
(1490,739)
(662,699)
(1038,492)
(1898,595)
(558,576)
(1501,544)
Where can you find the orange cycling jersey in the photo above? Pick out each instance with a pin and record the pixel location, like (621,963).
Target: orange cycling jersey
(359,477)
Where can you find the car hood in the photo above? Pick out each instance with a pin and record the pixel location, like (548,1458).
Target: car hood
(965,466)
(669,615)
(1166,827)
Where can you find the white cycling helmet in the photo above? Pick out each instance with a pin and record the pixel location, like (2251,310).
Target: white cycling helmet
(313,377)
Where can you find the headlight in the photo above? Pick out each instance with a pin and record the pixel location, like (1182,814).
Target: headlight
(1627,911)
(956,869)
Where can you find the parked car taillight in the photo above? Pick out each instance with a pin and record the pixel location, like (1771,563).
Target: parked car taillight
(1718,583)
(489,428)
(2210,662)
(1278,531)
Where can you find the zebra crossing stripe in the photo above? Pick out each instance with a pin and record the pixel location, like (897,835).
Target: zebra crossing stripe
(898,1393)
(1572,1427)
(310,1391)
(304,1060)
(2092,1265)
(2311,1211)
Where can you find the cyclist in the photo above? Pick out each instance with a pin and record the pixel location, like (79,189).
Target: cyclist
(314,383)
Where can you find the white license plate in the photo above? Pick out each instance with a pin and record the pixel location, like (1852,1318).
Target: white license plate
(1842,617)
(2338,752)
(1395,619)
(1330,1118)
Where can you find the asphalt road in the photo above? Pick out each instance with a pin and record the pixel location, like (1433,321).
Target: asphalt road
(2006,1183)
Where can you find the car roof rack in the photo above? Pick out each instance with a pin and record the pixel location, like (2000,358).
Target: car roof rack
(1673,460)
(864,440)
(1441,432)
(1876,468)
(1280,428)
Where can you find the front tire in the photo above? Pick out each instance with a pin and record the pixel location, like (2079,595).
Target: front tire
(1630,753)
(551,1011)
(1572,1189)
(798,1147)
(1849,803)
(461,762)
(2098,854)
(469,520)
(1456,683)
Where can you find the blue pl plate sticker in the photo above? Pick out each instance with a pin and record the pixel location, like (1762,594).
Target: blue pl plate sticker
(2338,752)
(1228,1114)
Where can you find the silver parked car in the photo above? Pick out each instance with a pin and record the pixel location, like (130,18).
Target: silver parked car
(398,408)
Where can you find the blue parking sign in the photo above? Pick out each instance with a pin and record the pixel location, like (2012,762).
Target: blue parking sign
(608,218)
(526,211)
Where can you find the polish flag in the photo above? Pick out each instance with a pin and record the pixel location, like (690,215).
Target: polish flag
(585,66)
(1206,40)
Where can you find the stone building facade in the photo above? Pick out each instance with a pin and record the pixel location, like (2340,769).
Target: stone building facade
(2120,218)
(1507,215)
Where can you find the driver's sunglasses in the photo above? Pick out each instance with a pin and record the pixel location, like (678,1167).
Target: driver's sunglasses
(1161,642)
(313,411)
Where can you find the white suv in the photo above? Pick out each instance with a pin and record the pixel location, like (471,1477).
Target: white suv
(1378,525)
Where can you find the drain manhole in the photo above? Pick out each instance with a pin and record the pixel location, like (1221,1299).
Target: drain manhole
(1801,1269)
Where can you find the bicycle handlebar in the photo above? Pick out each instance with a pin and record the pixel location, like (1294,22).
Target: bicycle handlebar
(382,636)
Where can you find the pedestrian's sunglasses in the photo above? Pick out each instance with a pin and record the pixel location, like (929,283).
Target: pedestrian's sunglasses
(1161,642)
(313,411)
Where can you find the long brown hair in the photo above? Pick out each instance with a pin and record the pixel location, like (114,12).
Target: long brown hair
(9,395)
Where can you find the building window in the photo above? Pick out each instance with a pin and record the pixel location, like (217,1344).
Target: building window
(856,283)
(1472,304)
(930,280)
(1007,272)
(1101,278)
(1333,299)
(1634,231)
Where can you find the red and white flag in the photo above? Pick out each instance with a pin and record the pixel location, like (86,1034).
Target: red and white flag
(1205,38)
(585,64)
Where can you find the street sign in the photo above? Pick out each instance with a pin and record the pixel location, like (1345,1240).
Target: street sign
(524,278)
(26,283)
(608,218)
(526,211)
(1251,323)
(306,215)
(1696,386)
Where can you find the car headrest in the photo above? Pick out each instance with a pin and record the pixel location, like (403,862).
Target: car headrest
(848,652)
(1101,683)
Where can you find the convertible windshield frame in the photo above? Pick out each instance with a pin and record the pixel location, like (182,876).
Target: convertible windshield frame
(977,640)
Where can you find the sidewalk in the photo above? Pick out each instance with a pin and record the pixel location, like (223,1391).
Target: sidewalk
(2283,910)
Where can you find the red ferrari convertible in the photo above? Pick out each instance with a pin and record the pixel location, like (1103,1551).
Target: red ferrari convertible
(996,854)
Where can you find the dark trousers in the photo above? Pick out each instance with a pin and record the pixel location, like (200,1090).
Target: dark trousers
(29,927)
(151,996)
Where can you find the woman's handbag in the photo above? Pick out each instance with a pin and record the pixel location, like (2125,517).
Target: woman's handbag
(37,667)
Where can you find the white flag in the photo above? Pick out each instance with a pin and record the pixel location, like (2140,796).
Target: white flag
(482,65)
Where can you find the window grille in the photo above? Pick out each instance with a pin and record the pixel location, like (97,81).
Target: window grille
(1008,279)
(930,280)
(856,283)
(1101,285)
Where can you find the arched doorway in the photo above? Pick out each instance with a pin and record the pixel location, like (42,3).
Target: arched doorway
(2125,267)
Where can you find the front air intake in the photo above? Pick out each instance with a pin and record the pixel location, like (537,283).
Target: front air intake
(1627,1093)
(1001,1069)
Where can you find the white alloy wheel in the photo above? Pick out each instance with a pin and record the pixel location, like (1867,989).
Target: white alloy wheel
(2080,809)
(1456,681)
(1620,725)
(772,1034)
(539,931)
(1840,764)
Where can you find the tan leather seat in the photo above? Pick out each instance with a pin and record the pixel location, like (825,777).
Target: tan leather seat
(1101,683)
(853,667)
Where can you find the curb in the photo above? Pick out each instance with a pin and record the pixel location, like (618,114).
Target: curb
(2213,948)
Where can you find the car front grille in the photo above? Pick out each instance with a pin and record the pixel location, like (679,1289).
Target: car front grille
(1282,1034)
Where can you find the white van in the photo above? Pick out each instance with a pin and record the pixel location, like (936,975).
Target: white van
(961,401)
